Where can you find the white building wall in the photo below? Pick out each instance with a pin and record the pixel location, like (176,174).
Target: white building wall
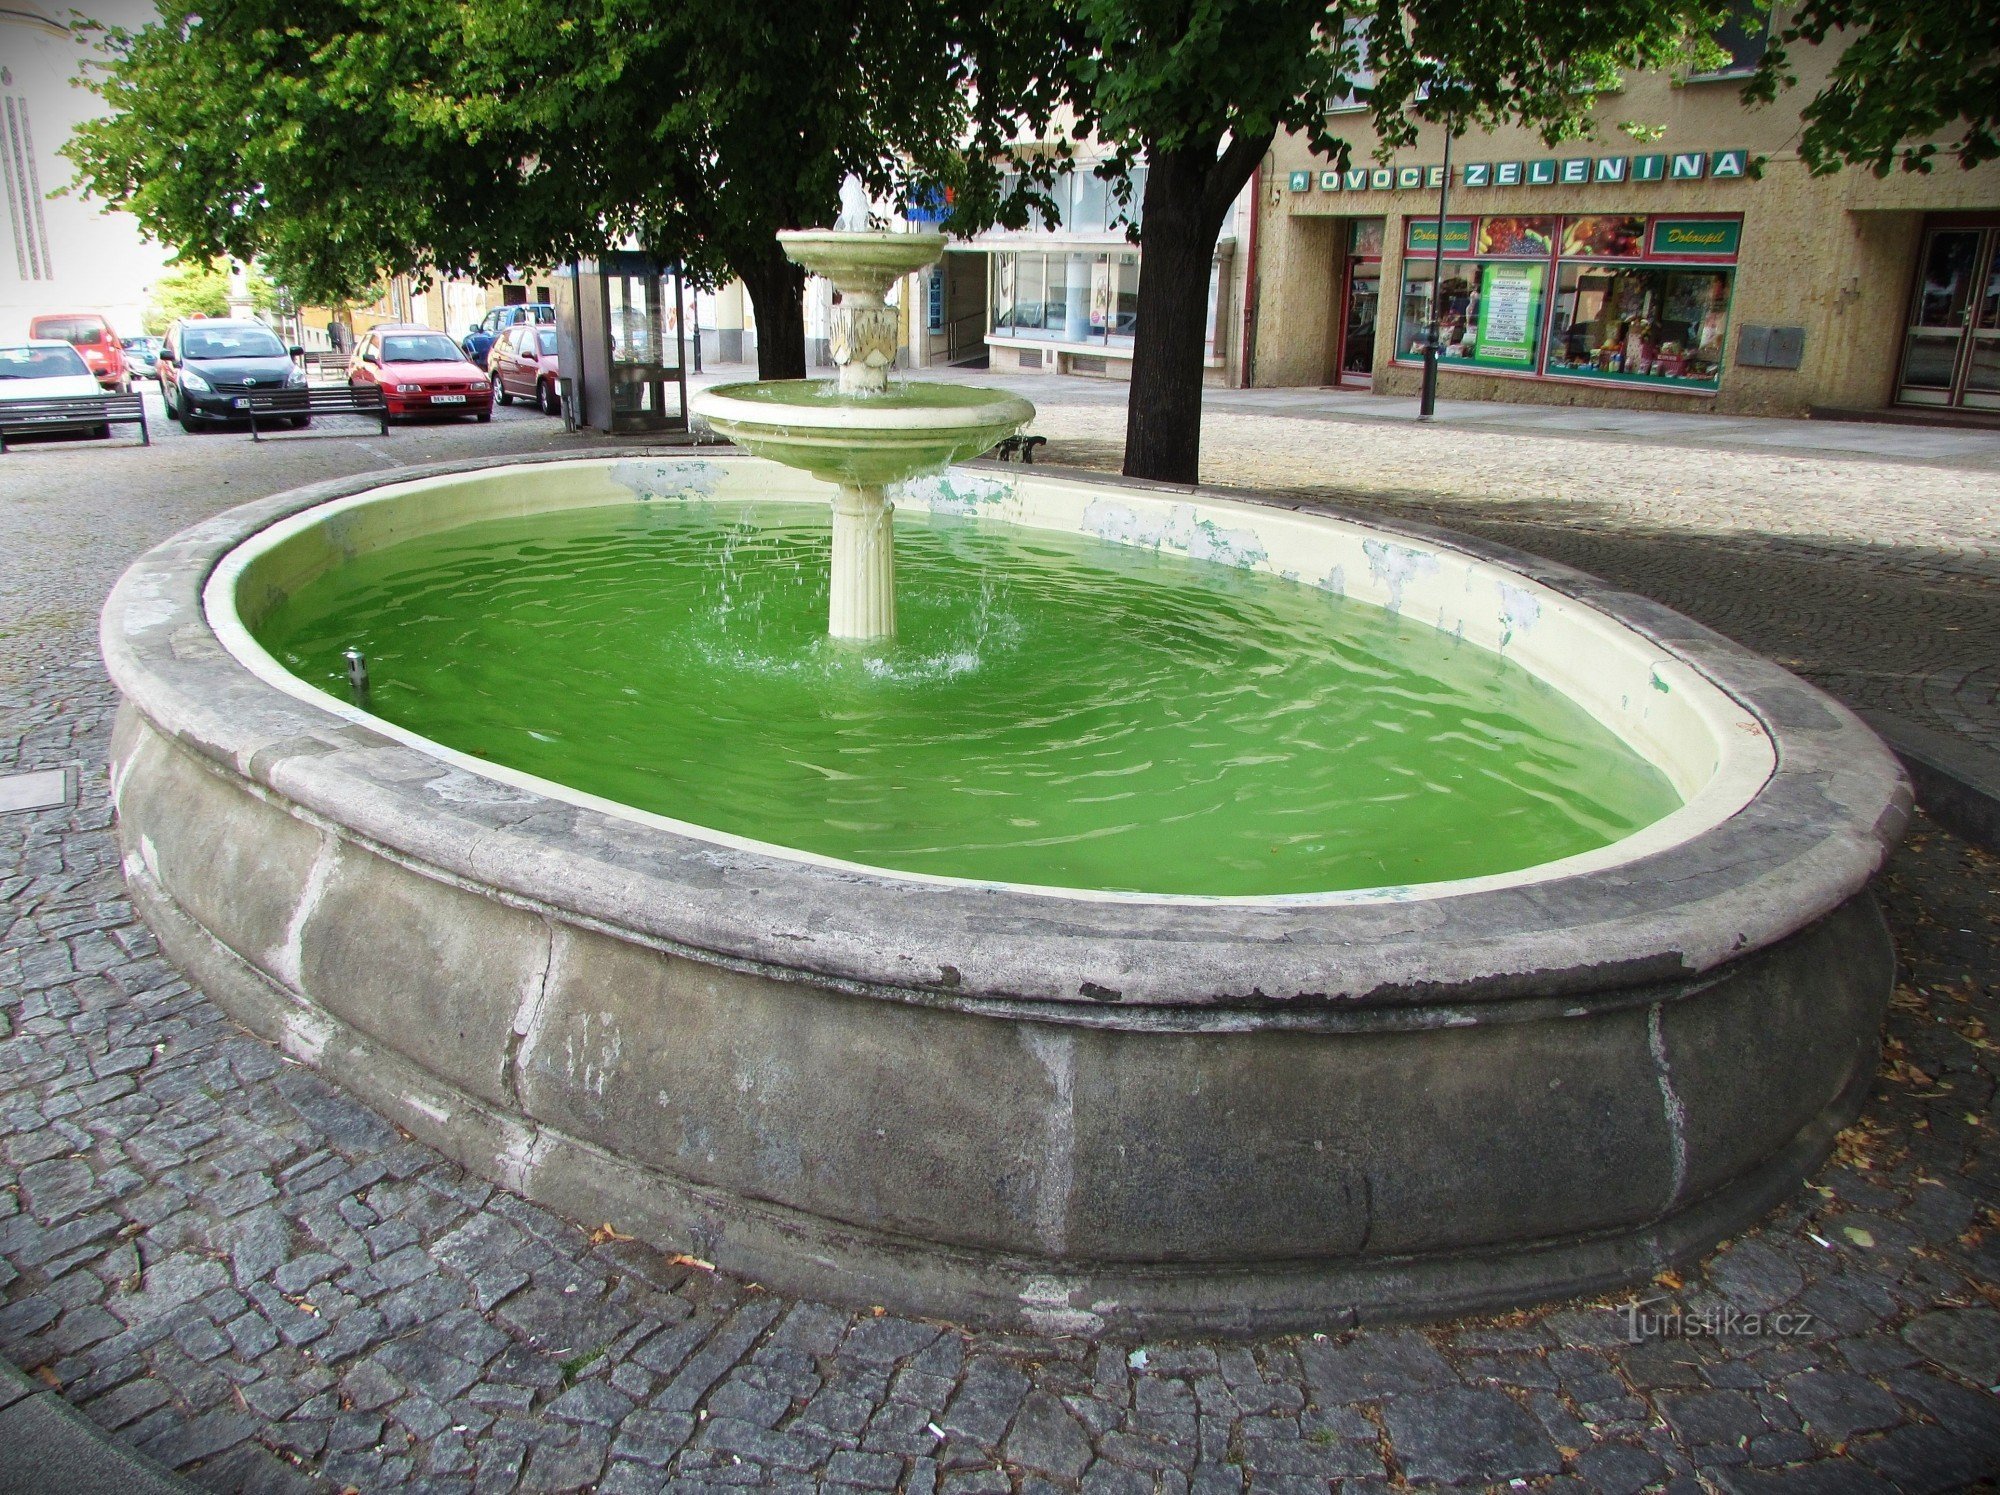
(66,253)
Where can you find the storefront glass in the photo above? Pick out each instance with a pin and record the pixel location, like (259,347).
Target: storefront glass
(1603,298)
(1085,297)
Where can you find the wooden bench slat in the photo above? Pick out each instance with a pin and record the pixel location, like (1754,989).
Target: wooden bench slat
(353,399)
(57,411)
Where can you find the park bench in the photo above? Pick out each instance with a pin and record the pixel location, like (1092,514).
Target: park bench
(67,412)
(330,365)
(331,399)
(1019,446)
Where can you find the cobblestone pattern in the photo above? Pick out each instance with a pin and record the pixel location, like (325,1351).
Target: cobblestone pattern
(1879,581)
(240,1270)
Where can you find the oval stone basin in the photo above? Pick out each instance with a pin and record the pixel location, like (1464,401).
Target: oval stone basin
(1070,1109)
(865,440)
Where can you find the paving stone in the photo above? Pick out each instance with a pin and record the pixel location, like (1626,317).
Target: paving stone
(591,1402)
(1372,1365)
(1966,1340)
(1837,1405)
(1458,1435)
(887,1339)
(1046,1438)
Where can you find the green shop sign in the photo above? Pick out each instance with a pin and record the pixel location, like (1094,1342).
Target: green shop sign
(1510,314)
(1569,171)
(1695,236)
(1423,234)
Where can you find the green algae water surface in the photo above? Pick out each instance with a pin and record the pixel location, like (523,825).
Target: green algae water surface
(1057,710)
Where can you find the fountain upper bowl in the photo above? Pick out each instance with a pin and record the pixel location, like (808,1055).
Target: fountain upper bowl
(861,262)
(863,440)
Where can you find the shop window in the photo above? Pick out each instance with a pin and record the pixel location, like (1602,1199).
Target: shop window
(1125,300)
(1621,298)
(1657,325)
(1490,313)
(1364,238)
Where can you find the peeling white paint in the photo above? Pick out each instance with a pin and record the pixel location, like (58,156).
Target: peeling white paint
(1676,1112)
(1055,1050)
(1520,611)
(437,1114)
(288,959)
(1181,528)
(1045,1304)
(960,493)
(1395,566)
(306,1034)
(666,477)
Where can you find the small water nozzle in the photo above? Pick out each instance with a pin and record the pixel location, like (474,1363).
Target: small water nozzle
(357,674)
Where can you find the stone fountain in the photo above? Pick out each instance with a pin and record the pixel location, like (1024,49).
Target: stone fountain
(857,430)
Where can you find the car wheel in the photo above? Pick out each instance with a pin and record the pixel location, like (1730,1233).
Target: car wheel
(547,399)
(300,422)
(485,416)
(500,392)
(100,433)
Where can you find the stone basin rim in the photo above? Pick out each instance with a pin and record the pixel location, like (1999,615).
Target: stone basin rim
(1807,842)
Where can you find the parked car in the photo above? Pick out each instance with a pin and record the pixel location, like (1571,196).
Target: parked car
(46,369)
(478,342)
(141,355)
(91,336)
(420,372)
(210,366)
(523,365)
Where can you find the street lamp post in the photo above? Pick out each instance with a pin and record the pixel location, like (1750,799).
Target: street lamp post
(1427,400)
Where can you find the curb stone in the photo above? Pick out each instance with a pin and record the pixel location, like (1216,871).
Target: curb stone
(47,1445)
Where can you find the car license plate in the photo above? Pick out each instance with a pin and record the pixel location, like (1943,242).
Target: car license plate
(447,399)
(241,402)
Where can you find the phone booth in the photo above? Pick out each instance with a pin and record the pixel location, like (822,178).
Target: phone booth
(621,343)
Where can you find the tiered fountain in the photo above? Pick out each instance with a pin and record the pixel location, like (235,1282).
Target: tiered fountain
(1238,945)
(857,430)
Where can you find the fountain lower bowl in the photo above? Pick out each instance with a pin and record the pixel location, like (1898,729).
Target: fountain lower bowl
(1055,1109)
(864,440)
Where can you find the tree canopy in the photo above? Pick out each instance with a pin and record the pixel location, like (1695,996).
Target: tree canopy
(352,138)
(1909,71)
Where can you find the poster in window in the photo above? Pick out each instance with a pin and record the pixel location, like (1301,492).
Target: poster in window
(1100,295)
(1510,313)
(1603,238)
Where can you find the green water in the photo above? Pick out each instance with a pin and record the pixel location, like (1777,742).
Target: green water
(1057,710)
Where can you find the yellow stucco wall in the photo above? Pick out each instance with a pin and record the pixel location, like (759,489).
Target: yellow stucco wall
(1834,255)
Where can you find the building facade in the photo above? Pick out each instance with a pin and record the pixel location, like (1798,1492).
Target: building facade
(1699,268)
(67,253)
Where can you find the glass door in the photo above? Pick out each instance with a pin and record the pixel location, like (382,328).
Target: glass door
(1357,343)
(1982,359)
(1951,350)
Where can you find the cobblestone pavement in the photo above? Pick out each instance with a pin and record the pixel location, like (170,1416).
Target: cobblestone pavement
(239,1269)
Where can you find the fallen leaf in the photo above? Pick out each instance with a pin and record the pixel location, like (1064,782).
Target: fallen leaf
(604,1233)
(1858,1236)
(682,1259)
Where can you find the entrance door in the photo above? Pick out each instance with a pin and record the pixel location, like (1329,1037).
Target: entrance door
(1951,351)
(1357,343)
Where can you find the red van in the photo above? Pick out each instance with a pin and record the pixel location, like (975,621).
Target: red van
(90,335)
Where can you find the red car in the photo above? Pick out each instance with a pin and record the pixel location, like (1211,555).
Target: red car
(90,335)
(523,363)
(421,372)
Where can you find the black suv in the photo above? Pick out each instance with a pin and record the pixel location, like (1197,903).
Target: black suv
(210,367)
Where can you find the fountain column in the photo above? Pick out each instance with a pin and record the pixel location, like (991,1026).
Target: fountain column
(862,598)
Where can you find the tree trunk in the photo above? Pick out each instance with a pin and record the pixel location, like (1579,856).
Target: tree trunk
(777,290)
(1188,194)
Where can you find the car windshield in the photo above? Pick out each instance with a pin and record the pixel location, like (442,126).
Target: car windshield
(426,347)
(548,340)
(69,329)
(231,342)
(41,363)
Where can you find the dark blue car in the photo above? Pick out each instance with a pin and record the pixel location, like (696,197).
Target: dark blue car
(479,341)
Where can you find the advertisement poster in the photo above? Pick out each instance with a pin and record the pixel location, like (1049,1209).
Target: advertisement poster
(1510,306)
